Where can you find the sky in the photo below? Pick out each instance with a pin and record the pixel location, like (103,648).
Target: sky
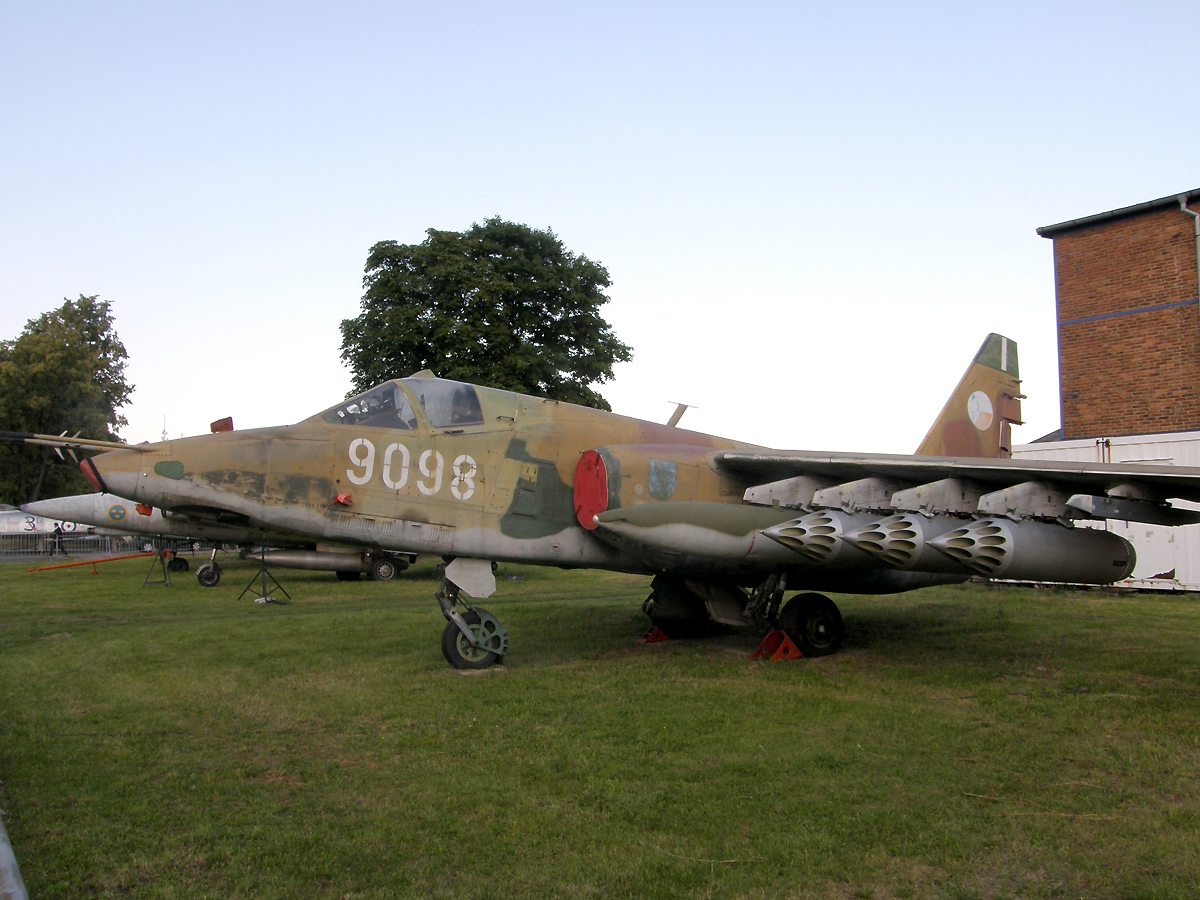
(812,214)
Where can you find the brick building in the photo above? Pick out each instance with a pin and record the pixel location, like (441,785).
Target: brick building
(1126,283)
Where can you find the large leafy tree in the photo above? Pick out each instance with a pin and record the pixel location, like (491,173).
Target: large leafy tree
(500,304)
(65,372)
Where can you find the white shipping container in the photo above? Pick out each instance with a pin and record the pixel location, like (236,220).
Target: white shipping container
(1167,558)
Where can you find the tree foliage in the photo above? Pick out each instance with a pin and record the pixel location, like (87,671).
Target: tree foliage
(65,372)
(501,304)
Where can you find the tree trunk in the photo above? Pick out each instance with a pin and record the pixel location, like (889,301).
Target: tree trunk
(41,474)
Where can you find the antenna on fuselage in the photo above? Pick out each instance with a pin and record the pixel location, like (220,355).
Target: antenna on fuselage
(680,409)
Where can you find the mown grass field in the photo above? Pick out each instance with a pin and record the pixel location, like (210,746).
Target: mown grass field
(968,743)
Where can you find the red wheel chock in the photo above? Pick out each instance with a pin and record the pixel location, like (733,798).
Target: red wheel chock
(777,646)
(653,635)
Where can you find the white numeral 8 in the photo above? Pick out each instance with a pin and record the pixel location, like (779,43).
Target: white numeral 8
(462,485)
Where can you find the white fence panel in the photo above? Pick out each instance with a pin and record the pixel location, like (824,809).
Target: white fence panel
(1167,558)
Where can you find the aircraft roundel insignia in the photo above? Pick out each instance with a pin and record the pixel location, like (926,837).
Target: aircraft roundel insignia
(979,408)
(116,513)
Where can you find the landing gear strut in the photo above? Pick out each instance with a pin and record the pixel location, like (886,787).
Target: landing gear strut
(762,606)
(474,638)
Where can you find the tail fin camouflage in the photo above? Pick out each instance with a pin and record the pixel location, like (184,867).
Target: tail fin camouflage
(977,419)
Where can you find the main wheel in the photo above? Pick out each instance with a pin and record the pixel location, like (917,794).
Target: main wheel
(677,611)
(343,575)
(493,641)
(814,624)
(178,564)
(383,568)
(208,575)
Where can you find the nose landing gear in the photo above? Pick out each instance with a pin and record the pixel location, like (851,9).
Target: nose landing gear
(474,638)
(491,641)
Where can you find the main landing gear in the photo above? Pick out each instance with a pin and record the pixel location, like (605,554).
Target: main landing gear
(474,638)
(814,624)
(684,608)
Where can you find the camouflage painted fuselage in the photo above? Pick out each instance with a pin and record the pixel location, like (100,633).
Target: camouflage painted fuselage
(498,485)
(428,466)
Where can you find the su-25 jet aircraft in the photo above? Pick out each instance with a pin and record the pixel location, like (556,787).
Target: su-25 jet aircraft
(117,515)
(477,475)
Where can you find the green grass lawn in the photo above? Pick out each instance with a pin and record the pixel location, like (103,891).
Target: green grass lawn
(969,742)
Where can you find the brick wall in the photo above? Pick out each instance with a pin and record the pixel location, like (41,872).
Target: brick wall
(1128,374)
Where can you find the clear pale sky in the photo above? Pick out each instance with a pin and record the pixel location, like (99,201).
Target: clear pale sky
(812,214)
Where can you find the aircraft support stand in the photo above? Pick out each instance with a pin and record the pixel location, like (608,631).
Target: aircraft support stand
(160,559)
(263,593)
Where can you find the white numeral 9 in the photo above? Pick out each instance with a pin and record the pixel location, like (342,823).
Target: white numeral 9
(436,474)
(364,460)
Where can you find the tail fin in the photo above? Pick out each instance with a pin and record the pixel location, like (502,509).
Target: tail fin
(977,419)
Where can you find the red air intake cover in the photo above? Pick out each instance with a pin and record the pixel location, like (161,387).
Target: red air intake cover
(591,488)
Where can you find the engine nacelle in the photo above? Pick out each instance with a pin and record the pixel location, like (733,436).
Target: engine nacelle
(717,538)
(624,476)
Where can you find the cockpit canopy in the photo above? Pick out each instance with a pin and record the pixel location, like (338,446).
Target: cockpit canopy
(446,404)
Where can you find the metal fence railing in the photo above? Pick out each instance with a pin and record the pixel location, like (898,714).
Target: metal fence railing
(27,546)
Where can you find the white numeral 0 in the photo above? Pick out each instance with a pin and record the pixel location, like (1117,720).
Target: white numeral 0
(402,477)
(366,461)
(436,474)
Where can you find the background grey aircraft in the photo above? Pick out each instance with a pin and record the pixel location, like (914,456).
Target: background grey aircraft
(118,515)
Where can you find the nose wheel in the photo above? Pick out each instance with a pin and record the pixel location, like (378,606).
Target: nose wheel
(474,638)
(209,573)
(490,636)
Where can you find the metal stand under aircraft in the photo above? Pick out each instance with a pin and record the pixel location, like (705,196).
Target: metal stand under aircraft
(474,638)
(264,593)
(159,562)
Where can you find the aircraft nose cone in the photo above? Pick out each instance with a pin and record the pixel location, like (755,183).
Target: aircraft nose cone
(90,473)
(115,472)
(47,509)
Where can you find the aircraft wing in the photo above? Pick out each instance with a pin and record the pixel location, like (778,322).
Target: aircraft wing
(1042,488)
